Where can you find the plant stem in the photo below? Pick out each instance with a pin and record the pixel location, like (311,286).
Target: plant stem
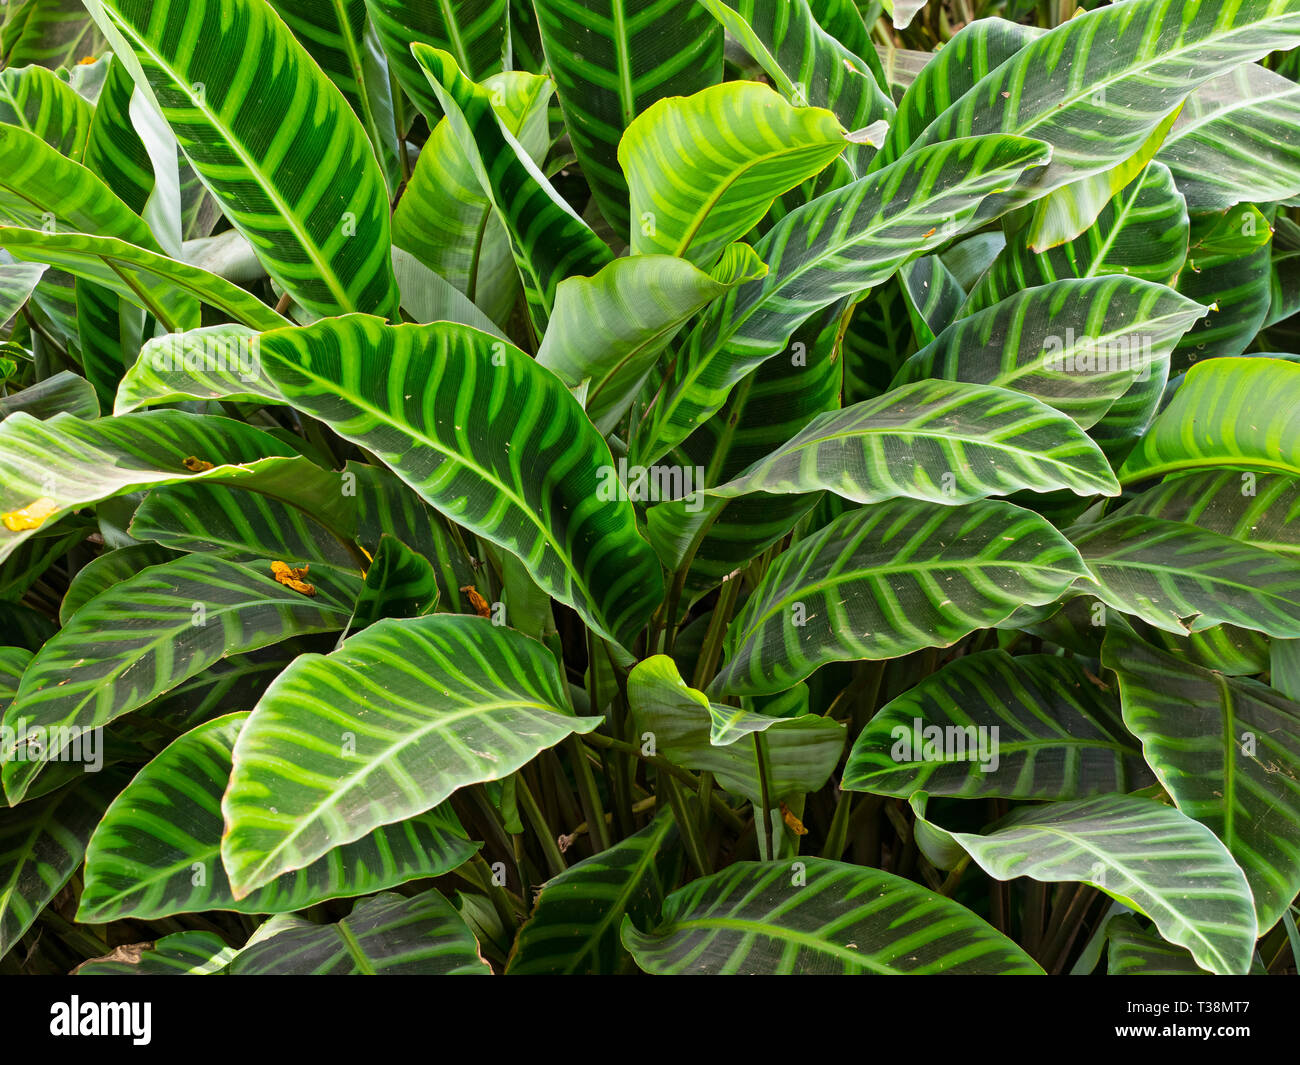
(686,825)
(711,650)
(547,838)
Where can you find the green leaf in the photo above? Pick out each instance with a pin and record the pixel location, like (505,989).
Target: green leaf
(1215,419)
(444,217)
(186,614)
(180,954)
(386,727)
(1232,142)
(799,753)
(613,59)
(53,33)
(41,846)
(17,282)
(1132,952)
(475,32)
(103,572)
(550,242)
(1033,727)
(34,99)
(609,329)
(386,935)
(826,917)
(398,584)
(888,579)
(943,441)
(704,169)
(489,438)
(156,851)
(1075,87)
(1182,578)
(325,240)
(1227,751)
(1077,345)
(60,393)
(574,927)
(835,246)
(219,362)
(1145,854)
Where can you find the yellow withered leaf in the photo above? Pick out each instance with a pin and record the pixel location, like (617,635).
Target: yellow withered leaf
(791,822)
(197,465)
(477,601)
(32,516)
(292,578)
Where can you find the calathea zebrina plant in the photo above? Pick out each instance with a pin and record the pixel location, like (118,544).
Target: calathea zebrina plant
(742,486)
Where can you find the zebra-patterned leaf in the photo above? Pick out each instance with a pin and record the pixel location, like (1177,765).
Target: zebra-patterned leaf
(444,217)
(1130,951)
(797,753)
(1228,752)
(398,584)
(1033,727)
(146,634)
(53,33)
(156,851)
(611,60)
(41,846)
(550,242)
(323,236)
(34,99)
(386,935)
(180,954)
(756,918)
(219,362)
(891,578)
(835,246)
(809,66)
(1077,345)
(1076,87)
(574,928)
(17,282)
(1147,855)
(704,169)
(1233,141)
(488,437)
(61,393)
(105,571)
(149,280)
(1183,578)
(944,441)
(610,328)
(1216,419)
(475,32)
(934,295)
(432,704)
(1142,233)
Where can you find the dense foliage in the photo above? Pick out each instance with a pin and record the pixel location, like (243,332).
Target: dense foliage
(649,485)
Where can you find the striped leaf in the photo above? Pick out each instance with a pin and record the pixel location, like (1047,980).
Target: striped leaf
(386,935)
(219,362)
(574,928)
(934,295)
(155,282)
(398,584)
(1098,85)
(34,99)
(891,578)
(808,66)
(41,846)
(1077,345)
(827,918)
(1147,855)
(1142,233)
(1182,578)
(180,954)
(184,615)
(61,393)
(987,724)
(1215,419)
(491,439)
(103,572)
(1232,142)
(611,60)
(324,240)
(976,49)
(704,169)
(53,33)
(943,441)
(550,242)
(64,463)
(609,329)
(1227,751)
(1258,509)
(835,246)
(156,851)
(447,221)
(114,148)
(388,726)
(798,753)
(1130,951)
(475,32)
(17,282)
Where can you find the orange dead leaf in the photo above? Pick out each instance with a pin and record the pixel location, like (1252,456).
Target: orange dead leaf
(479,604)
(292,578)
(32,516)
(791,822)
(929,232)
(197,465)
